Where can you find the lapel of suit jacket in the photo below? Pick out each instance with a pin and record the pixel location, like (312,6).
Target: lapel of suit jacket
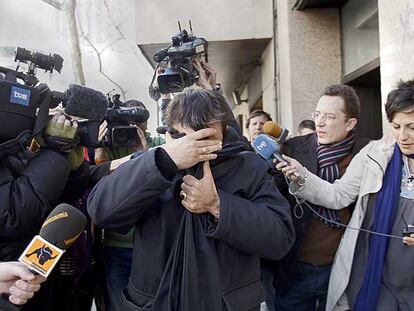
(306,152)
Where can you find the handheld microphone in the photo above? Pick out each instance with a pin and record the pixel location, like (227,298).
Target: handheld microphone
(59,231)
(82,102)
(267,148)
(273,129)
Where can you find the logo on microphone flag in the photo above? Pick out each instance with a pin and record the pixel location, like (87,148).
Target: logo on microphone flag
(41,256)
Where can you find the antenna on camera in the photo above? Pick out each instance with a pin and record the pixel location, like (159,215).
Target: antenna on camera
(191,27)
(109,93)
(179,25)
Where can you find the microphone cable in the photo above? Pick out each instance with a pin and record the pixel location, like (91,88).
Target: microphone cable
(299,203)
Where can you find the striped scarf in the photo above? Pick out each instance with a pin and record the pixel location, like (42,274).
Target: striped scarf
(328,158)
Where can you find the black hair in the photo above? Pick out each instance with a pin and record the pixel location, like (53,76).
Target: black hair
(196,109)
(350,97)
(400,99)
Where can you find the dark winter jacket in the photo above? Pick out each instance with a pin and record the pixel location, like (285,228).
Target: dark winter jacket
(74,265)
(30,185)
(186,261)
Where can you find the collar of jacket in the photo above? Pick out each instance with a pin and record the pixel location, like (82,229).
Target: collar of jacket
(232,145)
(306,146)
(382,153)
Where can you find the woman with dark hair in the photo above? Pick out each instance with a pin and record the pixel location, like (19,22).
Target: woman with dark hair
(372,271)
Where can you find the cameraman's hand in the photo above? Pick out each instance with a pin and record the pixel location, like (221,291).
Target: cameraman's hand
(61,126)
(100,152)
(143,139)
(192,148)
(211,73)
(207,75)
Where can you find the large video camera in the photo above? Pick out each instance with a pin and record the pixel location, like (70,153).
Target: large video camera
(20,101)
(87,104)
(122,118)
(179,70)
(25,103)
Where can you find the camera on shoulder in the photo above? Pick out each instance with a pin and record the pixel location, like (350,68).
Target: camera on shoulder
(25,103)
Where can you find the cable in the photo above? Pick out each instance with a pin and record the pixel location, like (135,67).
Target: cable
(347,226)
(299,202)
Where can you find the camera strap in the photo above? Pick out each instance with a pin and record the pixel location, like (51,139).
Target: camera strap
(60,144)
(17,145)
(43,114)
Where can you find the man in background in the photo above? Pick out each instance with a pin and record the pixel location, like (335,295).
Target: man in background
(306,127)
(255,122)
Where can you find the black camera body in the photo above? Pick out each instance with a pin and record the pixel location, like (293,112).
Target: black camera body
(180,72)
(22,99)
(25,103)
(120,131)
(18,105)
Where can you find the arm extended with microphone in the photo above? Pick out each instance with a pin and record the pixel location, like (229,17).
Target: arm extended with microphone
(268,149)
(59,231)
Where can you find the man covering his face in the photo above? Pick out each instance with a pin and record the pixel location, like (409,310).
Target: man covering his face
(204,210)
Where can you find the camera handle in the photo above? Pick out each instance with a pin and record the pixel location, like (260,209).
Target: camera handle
(12,75)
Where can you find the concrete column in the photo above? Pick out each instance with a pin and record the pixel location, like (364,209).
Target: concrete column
(396,28)
(268,80)
(309,52)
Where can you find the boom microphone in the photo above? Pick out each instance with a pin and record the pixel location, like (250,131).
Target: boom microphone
(273,129)
(83,102)
(59,231)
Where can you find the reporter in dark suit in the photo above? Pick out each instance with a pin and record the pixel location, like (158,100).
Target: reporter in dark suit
(301,278)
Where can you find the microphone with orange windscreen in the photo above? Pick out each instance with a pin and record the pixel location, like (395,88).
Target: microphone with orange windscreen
(59,231)
(273,129)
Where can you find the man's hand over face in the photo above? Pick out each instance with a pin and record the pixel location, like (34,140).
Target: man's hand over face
(192,148)
(200,196)
(143,139)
